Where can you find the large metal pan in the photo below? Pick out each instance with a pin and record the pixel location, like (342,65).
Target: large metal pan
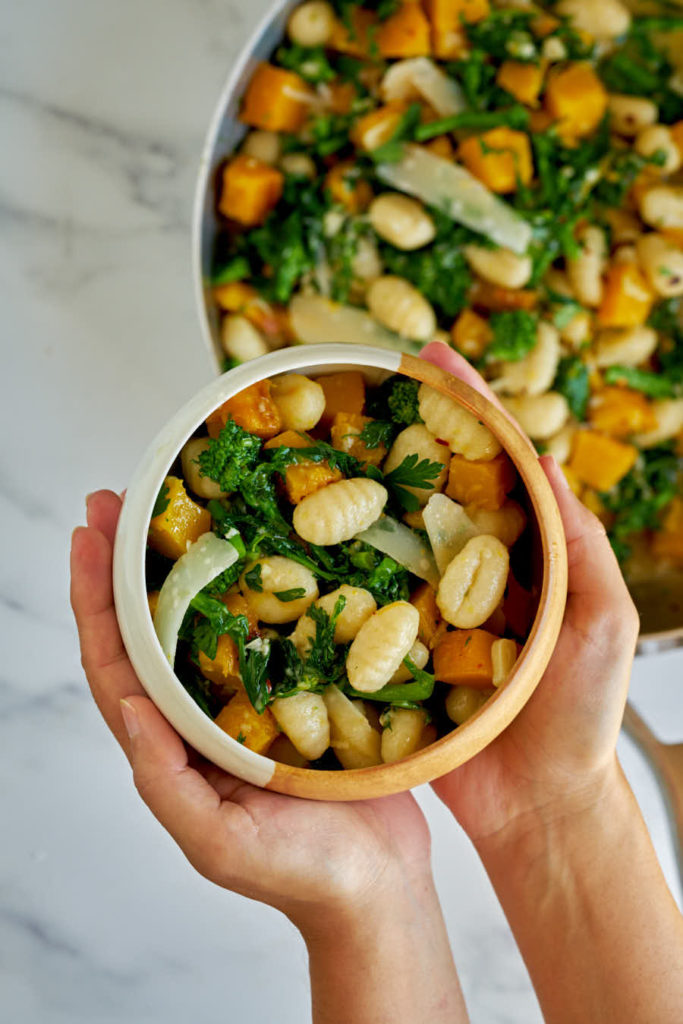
(659,599)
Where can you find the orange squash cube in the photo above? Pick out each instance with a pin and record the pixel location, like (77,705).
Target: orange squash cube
(577,99)
(523,81)
(252,409)
(238,605)
(471,334)
(224,668)
(497,299)
(341,96)
(449,14)
(479,483)
(276,100)
(344,392)
(621,411)
(600,461)
(677,135)
(347,188)
(359,39)
(406,33)
(462,657)
(307,477)
(346,427)
(249,191)
(501,158)
(180,524)
(153,601)
(627,297)
(241,721)
(519,607)
(234,296)
(441,146)
(431,625)
(379,126)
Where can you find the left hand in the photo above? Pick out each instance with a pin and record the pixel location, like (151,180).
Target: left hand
(314,861)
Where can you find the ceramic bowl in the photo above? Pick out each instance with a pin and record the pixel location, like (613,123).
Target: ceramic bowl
(549,571)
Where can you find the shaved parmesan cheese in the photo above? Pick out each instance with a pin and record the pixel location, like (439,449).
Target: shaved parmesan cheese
(448,527)
(403,545)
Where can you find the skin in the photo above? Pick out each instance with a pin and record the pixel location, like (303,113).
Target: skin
(370,877)
(545,805)
(552,816)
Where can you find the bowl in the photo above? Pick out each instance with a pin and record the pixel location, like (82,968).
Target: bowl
(659,598)
(549,571)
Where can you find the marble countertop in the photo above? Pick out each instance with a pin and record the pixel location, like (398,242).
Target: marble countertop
(103,110)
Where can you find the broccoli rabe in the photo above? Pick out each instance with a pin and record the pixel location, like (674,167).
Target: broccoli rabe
(395,401)
(230,457)
(514,335)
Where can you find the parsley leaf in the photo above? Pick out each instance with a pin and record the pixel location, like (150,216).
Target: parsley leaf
(639,498)
(572,381)
(412,472)
(308,61)
(230,457)
(161,501)
(376,433)
(655,385)
(293,594)
(253,578)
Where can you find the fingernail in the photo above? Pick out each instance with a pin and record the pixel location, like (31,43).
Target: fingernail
(130,719)
(87,499)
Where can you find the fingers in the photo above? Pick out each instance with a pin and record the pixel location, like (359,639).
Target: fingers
(179,796)
(110,674)
(598,596)
(441,354)
(103,508)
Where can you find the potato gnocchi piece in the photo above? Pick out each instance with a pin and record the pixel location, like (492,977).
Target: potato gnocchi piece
(354,740)
(360,605)
(586,269)
(380,646)
(474,583)
(303,718)
(626,346)
(503,659)
(506,524)
(202,486)
(398,305)
(462,431)
(668,413)
(464,701)
(418,440)
(300,401)
(560,444)
(402,733)
(277,576)
(539,416)
(339,511)
(533,374)
(419,655)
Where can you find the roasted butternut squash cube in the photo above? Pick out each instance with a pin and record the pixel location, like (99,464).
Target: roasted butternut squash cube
(519,607)
(621,411)
(449,14)
(497,299)
(249,191)
(276,100)
(406,33)
(471,334)
(238,605)
(347,188)
(577,99)
(432,626)
(462,657)
(377,127)
(627,297)
(306,477)
(358,38)
(600,461)
(344,392)
(344,435)
(441,146)
(523,81)
(500,158)
(223,670)
(668,543)
(153,601)
(241,721)
(479,483)
(283,750)
(181,523)
(252,409)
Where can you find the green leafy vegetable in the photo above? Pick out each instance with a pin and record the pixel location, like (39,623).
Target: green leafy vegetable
(395,400)
(412,472)
(400,693)
(514,335)
(640,497)
(572,381)
(290,595)
(640,67)
(308,61)
(392,151)
(439,271)
(655,385)
(377,432)
(161,502)
(253,579)
(515,116)
(230,457)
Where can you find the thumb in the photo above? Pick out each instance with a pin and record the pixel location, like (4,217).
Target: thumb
(177,795)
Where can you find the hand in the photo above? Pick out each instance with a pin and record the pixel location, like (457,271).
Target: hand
(312,860)
(558,756)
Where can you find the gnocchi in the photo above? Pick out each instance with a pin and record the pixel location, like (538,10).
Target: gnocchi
(473,584)
(322,618)
(339,511)
(462,431)
(400,307)
(401,220)
(534,374)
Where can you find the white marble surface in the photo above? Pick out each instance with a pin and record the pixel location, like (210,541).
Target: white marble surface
(103,108)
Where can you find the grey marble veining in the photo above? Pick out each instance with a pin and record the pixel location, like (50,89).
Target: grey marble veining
(103,109)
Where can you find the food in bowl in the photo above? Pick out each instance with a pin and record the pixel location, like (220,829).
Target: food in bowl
(341,572)
(508,179)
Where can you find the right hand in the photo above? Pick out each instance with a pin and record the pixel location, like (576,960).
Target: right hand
(558,755)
